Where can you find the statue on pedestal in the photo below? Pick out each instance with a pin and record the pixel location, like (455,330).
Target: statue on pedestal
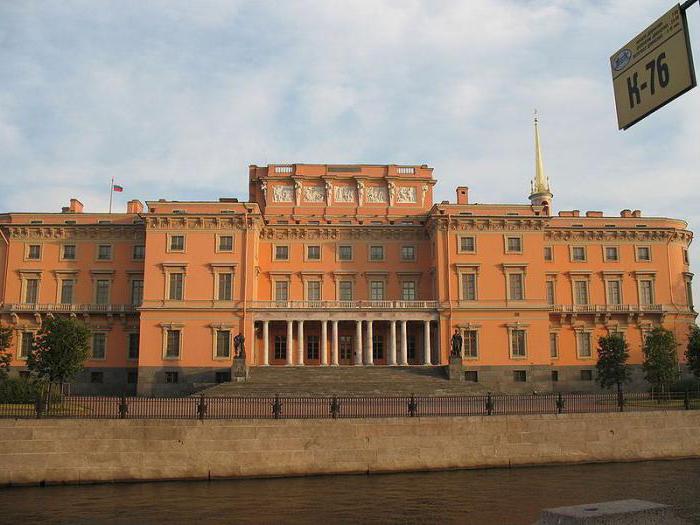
(456,344)
(239,345)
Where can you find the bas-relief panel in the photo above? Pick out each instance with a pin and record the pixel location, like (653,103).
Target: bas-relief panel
(283,193)
(406,194)
(313,194)
(377,194)
(344,194)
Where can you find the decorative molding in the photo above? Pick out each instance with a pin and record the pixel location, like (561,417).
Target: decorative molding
(77,232)
(283,193)
(344,194)
(314,194)
(377,194)
(619,234)
(406,195)
(303,233)
(205,222)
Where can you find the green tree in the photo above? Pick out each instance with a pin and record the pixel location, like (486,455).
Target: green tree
(61,347)
(660,358)
(692,353)
(5,357)
(612,369)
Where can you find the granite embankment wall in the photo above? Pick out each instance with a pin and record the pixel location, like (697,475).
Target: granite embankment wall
(82,451)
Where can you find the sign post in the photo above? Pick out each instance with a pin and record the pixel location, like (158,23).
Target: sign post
(653,68)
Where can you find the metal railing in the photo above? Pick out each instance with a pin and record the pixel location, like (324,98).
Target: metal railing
(330,406)
(343,305)
(69,308)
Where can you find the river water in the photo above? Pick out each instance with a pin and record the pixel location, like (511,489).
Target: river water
(501,496)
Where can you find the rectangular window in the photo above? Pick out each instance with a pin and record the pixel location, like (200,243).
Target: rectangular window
(408,290)
(34,252)
(97,377)
(553,345)
(614,292)
(136,291)
(69,252)
(26,345)
(31,293)
(102,291)
(518,342)
(280,347)
(612,254)
(515,285)
(646,292)
(583,341)
(67,288)
(580,292)
(549,289)
(226,243)
(313,253)
(177,243)
(555,376)
(377,346)
(345,290)
(223,343)
(578,253)
(469,287)
(99,346)
(467,244)
(171,377)
(548,253)
(281,291)
(643,253)
(345,344)
(133,350)
(225,286)
(586,375)
(376,290)
(520,376)
(313,291)
(471,343)
(282,253)
(312,346)
(514,245)
(223,377)
(172,348)
(175,288)
(408,253)
(139,253)
(345,253)
(104,252)
(376,253)
(471,376)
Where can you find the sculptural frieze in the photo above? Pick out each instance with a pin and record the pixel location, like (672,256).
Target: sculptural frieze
(406,195)
(283,193)
(344,194)
(313,194)
(377,194)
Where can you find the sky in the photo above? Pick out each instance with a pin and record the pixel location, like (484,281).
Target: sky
(174,99)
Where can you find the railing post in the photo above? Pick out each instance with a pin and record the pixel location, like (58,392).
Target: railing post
(201,408)
(560,403)
(489,404)
(412,406)
(277,407)
(335,407)
(123,407)
(686,399)
(620,400)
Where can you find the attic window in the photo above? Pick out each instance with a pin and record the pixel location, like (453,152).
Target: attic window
(70,222)
(641,225)
(36,222)
(104,222)
(511,213)
(179,211)
(610,226)
(577,225)
(465,213)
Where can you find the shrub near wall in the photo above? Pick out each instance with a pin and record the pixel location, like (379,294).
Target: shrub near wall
(18,390)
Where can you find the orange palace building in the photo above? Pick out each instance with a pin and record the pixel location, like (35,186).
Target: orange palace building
(344,265)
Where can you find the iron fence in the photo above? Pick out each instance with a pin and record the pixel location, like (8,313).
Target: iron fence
(322,407)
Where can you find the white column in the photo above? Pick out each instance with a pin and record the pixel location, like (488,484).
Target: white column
(300,350)
(324,338)
(369,357)
(426,342)
(266,343)
(392,343)
(358,343)
(334,344)
(290,347)
(404,345)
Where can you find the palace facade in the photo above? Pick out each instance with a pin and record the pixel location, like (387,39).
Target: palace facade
(344,265)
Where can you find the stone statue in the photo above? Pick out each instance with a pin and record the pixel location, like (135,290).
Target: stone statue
(297,192)
(239,345)
(360,192)
(263,187)
(456,344)
(329,193)
(392,192)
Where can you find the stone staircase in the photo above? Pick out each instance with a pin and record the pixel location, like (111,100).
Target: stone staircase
(345,380)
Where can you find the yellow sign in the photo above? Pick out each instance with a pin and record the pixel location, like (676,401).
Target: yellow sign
(652,69)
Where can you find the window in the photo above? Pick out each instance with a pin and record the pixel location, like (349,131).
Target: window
(345,344)
(612,254)
(515,286)
(586,375)
(136,291)
(34,252)
(313,253)
(471,376)
(223,377)
(68,252)
(280,347)
(97,377)
(614,292)
(646,292)
(175,287)
(377,346)
(313,291)
(171,377)
(104,252)
(102,291)
(132,377)
(686,259)
(67,289)
(177,243)
(514,245)
(643,253)
(583,342)
(225,286)
(553,345)
(578,253)
(555,376)
(470,343)
(345,290)
(282,253)
(517,343)
(345,253)
(26,345)
(411,346)
(520,376)
(469,287)
(376,253)
(549,289)
(223,343)
(312,346)
(408,253)
(376,290)
(467,244)
(548,253)
(172,344)
(580,292)
(139,253)
(99,345)
(133,349)
(281,290)
(31,292)
(226,243)
(408,290)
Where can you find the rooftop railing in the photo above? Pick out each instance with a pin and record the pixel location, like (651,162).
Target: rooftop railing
(344,305)
(69,308)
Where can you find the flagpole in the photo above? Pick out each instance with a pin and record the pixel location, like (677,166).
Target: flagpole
(111,190)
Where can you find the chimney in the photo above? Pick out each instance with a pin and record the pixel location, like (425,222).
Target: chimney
(637,213)
(575,213)
(594,214)
(75,206)
(462,195)
(134,206)
(626,213)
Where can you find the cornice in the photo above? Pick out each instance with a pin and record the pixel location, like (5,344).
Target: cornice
(76,232)
(359,232)
(470,223)
(204,222)
(619,234)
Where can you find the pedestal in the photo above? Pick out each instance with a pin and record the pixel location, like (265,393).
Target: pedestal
(239,370)
(455,370)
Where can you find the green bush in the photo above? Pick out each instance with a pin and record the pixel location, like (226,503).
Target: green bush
(19,390)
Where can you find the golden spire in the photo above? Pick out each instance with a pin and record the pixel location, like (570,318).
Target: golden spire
(541,183)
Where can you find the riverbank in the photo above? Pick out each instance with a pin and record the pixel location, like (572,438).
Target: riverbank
(56,451)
